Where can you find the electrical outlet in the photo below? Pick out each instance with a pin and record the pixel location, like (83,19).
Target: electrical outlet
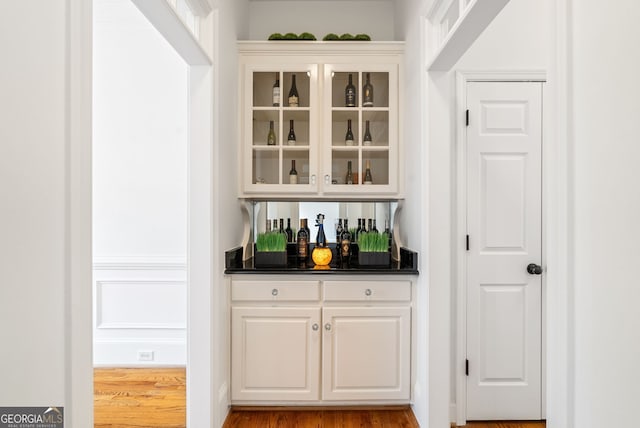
(145,355)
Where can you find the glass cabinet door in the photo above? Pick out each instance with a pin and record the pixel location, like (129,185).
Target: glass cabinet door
(280,129)
(361,130)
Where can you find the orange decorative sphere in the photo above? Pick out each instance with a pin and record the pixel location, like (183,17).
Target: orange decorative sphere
(321,256)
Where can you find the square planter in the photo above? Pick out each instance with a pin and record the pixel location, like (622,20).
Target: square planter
(270,259)
(374,259)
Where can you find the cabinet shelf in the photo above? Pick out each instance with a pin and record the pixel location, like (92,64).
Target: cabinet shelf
(320,122)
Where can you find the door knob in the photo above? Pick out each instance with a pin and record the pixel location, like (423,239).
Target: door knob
(534,269)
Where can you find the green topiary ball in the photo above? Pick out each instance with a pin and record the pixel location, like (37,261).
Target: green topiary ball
(290,36)
(276,36)
(331,36)
(306,36)
(362,37)
(346,36)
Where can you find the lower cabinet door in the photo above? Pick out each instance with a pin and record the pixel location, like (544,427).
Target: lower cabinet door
(275,353)
(366,353)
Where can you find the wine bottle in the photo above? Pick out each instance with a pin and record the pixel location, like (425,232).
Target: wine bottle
(358,230)
(367,93)
(374,229)
(306,227)
(291,138)
(302,242)
(289,231)
(349,178)
(268,228)
(271,136)
(339,231)
(293,174)
(370,225)
(367,174)
(281,228)
(366,140)
(345,241)
(350,93)
(348,138)
(275,92)
(275,225)
(293,93)
(364,226)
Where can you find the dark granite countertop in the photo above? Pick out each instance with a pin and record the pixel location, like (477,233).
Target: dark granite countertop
(407,265)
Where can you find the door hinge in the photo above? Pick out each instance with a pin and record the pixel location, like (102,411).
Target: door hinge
(467,117)
(467,242)
(466,367)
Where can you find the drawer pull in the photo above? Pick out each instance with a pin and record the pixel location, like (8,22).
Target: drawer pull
(327,327)
(315,327)
(367,292)
(274,292)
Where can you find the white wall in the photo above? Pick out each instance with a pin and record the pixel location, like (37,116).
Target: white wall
(374,17)
(140,127)
(409,26)
(227,229)
(44,360)
(603,91)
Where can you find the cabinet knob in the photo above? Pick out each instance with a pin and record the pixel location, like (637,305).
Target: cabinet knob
(313,179)
(327,179)
(367,292)
(315,327)
(327,326)
(274,292)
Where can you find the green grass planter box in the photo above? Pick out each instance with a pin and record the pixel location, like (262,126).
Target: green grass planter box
(374,259)
(270,259)
(374,249)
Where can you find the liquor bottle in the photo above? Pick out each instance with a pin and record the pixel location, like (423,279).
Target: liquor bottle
(348,138)
(350,93)
(321,238)
(367,174)
(293,93)
(275,92)
(345,241)
(289,231)
(374,229)
(367,93)
(302,242)
(268,228)
(366,140)
(386,227)
(291,138)
(349,178)
(339,231)
(293,174)
(271,136)
(281,228)
(275,225)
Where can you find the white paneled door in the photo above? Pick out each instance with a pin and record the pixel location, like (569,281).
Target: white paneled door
(504,226)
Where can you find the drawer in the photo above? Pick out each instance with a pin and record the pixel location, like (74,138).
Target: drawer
(391,291)
(284,291)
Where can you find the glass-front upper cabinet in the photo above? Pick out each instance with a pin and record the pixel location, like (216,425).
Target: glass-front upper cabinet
(282,139)
(361,143)
(320,120)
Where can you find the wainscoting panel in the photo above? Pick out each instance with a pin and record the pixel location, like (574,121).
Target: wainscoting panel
(140,311)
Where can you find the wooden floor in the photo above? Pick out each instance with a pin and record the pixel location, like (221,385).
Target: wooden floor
(396,417)
(156,398)
(140,398)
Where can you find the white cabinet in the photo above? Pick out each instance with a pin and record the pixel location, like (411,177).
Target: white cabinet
(339,341)
(321,152)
